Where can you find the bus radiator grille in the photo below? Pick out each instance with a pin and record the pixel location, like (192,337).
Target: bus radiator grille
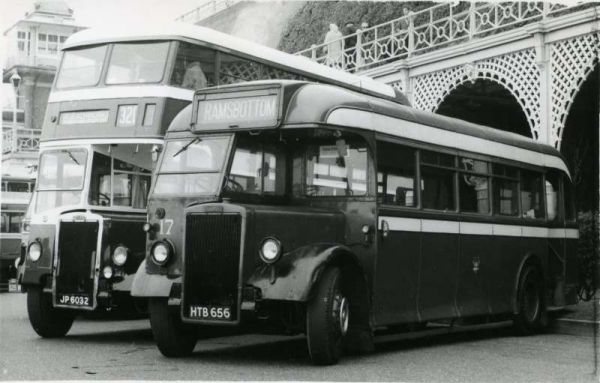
(212,263)
(76,249)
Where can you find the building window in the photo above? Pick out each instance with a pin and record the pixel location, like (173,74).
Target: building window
(42,42)
(22,43)
(11,221)
(53,44)
(49,44)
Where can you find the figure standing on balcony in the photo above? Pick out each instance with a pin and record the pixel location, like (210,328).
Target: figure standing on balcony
(364,45)
(333,39)
(350,45)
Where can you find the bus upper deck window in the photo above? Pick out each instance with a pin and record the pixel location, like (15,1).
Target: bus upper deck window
(137,63)
(81,67)
(194,67)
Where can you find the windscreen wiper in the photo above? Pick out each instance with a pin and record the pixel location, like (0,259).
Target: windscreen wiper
(186,146)
(72,157)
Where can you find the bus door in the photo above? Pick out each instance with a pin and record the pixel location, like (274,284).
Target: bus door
(438,277)
(476,259)
(399,248)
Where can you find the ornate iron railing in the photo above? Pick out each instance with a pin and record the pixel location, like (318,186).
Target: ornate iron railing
(432,28)
(26,140)
(207,9)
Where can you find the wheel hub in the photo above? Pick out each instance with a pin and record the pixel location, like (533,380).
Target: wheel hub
(343,314)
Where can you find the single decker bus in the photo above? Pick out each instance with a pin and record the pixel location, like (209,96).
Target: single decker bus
(304,208)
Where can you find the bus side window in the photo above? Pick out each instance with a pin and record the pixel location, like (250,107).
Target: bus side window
(532,203)
(505,190)
(474,186)
(194,67)
(552,195)
(569,197)
(397,176)
(257,169)
(100,194)
(437,181)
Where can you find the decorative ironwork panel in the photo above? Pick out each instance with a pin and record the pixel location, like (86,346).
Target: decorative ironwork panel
(571,61)
(517,72)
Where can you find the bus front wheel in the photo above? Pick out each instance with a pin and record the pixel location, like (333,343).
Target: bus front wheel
(47,321)
(327,319)
(170,333)
(530,302)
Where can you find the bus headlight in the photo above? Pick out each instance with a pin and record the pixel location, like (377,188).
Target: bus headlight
(107,272)
(161,253)
(270,250)
(35,251)
(119,256)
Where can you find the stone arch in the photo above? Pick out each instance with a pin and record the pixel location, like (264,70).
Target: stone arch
(517,72)
(571,62)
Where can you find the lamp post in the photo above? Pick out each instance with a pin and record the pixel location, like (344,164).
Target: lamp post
(15,79)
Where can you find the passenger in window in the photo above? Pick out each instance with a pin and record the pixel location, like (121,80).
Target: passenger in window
(194,77)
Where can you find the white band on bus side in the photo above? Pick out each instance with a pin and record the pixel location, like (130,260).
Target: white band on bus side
(122,91)
(474,228)
(428,134)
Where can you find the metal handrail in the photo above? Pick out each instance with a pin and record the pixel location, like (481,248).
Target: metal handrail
(432,28)
(27,140)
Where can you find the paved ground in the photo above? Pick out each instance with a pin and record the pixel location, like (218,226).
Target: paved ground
(116,350)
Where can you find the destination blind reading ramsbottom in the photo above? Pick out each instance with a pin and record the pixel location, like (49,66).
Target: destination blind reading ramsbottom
(255,109)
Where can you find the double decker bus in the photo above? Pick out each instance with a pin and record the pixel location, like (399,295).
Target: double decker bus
(114,95)
(16,193)
(306,208)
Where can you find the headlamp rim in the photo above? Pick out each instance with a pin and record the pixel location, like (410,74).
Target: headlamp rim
(112,257)
(170,252)
(29,250)
(279,249)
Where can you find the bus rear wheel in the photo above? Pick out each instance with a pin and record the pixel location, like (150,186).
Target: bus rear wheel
(170,333)
(530,302)
(47,321)
(327,319)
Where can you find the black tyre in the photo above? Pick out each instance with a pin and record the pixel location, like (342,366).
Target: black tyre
(531,314)
(173,338)
(327,319)
(47,321)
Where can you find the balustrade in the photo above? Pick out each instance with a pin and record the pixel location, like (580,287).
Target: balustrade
(433,28)
(27,140)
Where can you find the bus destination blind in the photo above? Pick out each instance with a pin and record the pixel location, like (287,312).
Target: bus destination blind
(246,112)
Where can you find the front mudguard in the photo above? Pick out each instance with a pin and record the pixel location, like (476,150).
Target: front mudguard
(292,277)
(146,285)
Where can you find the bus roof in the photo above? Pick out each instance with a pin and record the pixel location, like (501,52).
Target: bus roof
(313,103)
(182,31)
